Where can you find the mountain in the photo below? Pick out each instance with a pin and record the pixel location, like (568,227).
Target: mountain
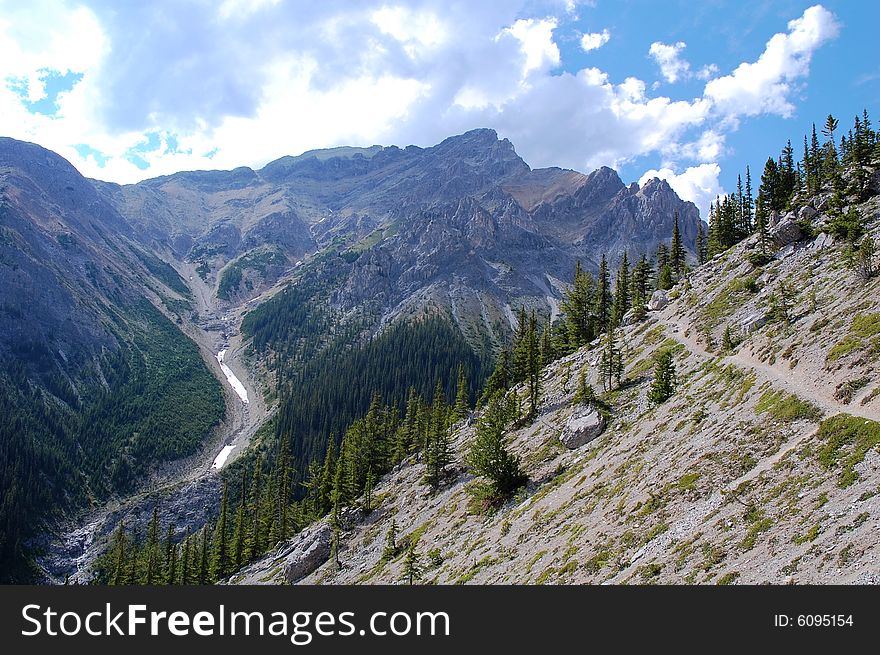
(761,468)
(389,266)
(92,362)
(465,224)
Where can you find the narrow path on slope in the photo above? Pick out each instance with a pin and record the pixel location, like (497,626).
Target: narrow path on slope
(791,381)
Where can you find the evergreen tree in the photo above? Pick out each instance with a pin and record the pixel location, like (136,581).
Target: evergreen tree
(641,287)
(412,570)
(622,300)
(533,363)
(220,561)
(170,557)
(255,541)
(120,556)
(677,254)
(151,551)
(748,204)
(665,280)
(611,361)
(500,380)
(664,378)
(390,541)
(578,309)
(462,403)
(204,574)
(603,296)
(865,259)
(438,451)
(488,456)
(702,246)
(727,344)
(584,394)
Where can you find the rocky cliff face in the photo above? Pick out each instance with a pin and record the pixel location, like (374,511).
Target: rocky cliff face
(465,225)
(762,467)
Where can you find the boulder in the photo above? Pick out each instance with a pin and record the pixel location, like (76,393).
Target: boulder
(658,300)
(822,241)
(874,183)
(582,428)
(753,323)
(807,213)
(774,218)
(307,551)
(785,232)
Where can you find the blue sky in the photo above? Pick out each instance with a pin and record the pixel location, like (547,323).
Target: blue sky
(692,92)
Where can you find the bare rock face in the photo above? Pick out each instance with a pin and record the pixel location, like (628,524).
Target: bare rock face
(753,323)
(874,183)
(658,300)
(786,232)
(582,428)
(807,213)
(307,551)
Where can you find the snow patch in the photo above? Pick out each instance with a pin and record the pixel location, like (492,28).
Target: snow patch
(223,455)
(234,382)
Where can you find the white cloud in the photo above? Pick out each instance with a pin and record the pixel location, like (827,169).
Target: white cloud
(536,42)
(668,58)
(595,40)
(699,184)
(764,86)
(331,73)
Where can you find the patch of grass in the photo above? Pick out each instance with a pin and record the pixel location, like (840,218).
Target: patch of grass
(786,407)
(650,571)
(847,439)
(600,560)
(809,535)
(488,560)
(728,578)
(758,523)
(688,481)
(843,348)
(866,325)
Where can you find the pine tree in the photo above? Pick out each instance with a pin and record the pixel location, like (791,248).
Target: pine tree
(500,380)
(641,286)
(677,255)
(578,307)
(170,557)
(702,246)
(727,344)
(488,455)
(584,394)
(665,280)
(603,296)
(664,383)
(622,300)
(151,550)
(390,541)
(462,403)
(204,574)
(412,570)
(865,259)
(748,204)
(533,363)
(186,559)
(255,542)
(220,557)
(240,536)
(611,361)
(439,452)
(368,492)
(120,556)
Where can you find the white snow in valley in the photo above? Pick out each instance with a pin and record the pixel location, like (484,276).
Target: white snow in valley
(221,458)
(234,382)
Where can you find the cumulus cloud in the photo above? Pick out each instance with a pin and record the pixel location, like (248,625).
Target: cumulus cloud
(668,58)
(159,95)
(699,184)
(764,86)
(595,40)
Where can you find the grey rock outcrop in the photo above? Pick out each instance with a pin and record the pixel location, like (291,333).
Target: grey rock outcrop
(753,323)
(786,232)
(658,300)
(582,428)
(807,213)
(307,551)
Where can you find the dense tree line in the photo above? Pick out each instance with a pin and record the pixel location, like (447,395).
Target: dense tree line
(60,445)
(261,503)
